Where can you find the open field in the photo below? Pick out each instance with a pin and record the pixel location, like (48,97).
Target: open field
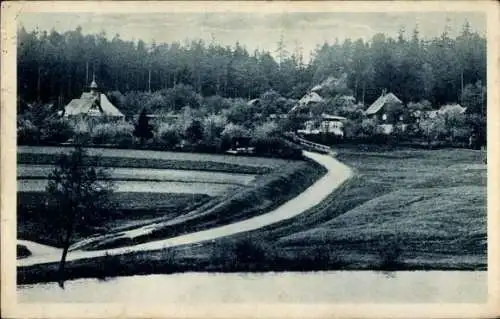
(33,178)
(126,155)
(155,163)
(134,186)
(406,209)
(143,188)
(34,171)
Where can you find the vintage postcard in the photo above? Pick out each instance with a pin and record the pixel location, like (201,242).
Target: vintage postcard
(250,159)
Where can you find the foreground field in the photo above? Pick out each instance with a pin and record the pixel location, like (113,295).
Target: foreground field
(406,209)
(164,208)
(403,210)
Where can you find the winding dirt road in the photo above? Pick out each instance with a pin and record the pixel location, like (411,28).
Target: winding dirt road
(337,174)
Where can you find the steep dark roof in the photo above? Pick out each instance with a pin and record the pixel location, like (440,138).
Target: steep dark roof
(381,101)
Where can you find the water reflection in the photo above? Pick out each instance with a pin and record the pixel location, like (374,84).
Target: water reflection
(288,287)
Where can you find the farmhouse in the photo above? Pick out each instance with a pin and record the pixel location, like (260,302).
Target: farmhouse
(306,101)
(93,104)
(326,124)
(381,107)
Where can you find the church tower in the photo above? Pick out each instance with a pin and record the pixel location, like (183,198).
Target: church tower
(94,90)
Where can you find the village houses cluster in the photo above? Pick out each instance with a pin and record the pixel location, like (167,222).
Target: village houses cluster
(95,105)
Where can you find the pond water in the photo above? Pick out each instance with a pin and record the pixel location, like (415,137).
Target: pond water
(284,287)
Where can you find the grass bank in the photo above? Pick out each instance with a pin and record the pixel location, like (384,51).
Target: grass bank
(35,222)
(264,194)
(407,209)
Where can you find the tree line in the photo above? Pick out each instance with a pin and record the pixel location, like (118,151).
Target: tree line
(55,67)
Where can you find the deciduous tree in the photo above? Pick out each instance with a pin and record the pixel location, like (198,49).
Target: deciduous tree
(80,193)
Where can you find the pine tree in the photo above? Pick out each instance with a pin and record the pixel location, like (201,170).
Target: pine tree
(143,129)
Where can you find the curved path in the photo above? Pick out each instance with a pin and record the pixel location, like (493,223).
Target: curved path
(337,173)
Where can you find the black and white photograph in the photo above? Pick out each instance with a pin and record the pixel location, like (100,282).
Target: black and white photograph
(219,155)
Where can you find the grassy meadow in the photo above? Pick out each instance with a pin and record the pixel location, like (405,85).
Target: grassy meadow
(427,208)
(173,214)
(402,210)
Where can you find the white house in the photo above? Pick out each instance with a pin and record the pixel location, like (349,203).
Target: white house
(326,124)
(92,104)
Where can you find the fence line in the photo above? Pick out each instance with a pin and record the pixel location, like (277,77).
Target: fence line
(308,144)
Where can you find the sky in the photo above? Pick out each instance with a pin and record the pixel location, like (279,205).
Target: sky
(300,30)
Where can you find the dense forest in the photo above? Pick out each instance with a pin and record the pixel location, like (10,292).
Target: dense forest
(56,67)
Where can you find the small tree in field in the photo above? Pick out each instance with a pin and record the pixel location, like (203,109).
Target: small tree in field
(143,129)
(79,193)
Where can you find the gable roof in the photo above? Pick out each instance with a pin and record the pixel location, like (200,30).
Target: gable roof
(452,108)
(108,108)
(85,105)
(381,101)
(311,97)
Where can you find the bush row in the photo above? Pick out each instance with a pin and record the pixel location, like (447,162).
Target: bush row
(190,132)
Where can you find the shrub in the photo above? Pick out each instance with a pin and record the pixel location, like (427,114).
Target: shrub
(234,130)
(369,127)
(81,131)
(266,130)
(124,134)
(231,132)
(213,126)
(156,101)
(242,114)
(352,129)
(27,132)
(113,133)
(168,135)
(277,147)
(433,128)
(56,130)
(41,124)
(194,131)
